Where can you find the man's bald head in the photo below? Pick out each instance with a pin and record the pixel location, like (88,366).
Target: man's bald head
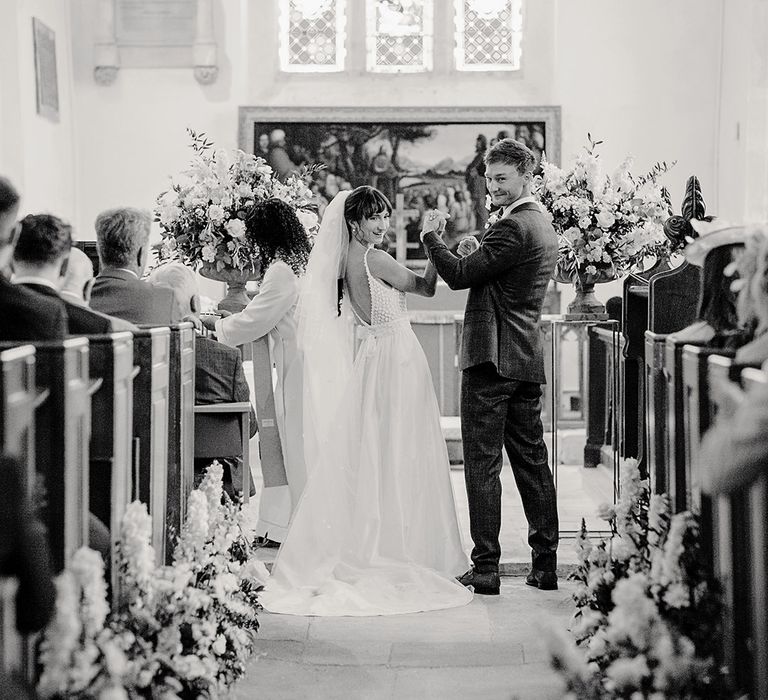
(79,276)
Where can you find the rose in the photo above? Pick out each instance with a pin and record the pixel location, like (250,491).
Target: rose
(605,219)
(235,228)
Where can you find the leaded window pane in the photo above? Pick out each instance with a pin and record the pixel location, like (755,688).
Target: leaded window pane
(399,35)
(312,34)
(488,34)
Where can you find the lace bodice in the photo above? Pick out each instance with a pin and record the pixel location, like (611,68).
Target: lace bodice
(387,303)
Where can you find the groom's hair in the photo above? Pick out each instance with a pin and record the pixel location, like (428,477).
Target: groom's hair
(511,152)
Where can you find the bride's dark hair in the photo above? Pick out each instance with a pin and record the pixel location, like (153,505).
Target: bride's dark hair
(274,226)
(364,201)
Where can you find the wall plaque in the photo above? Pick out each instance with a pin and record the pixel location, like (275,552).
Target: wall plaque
(155,22)
(45,70)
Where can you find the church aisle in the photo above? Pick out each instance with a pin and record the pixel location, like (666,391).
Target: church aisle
(492,649)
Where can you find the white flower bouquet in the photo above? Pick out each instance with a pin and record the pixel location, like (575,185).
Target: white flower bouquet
(178,631)
(647,611)
(202,216)
(607,224)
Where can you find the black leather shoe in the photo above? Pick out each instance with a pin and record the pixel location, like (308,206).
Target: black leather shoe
(543,580)
(266,543)
(483,583)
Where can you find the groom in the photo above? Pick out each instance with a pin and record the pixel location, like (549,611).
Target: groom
(507,271)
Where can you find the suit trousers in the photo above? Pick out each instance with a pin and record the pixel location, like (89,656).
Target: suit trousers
(496,412)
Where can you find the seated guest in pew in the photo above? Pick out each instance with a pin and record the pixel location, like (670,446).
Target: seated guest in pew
(716,324)
(753,299)
(26,315)
(734,451)
(122,239)
(219,376)
(284,250)
(24,554)
(78,279)
(40,259)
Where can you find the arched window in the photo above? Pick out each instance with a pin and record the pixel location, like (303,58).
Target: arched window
(399,36)
(488,34)
(312,35)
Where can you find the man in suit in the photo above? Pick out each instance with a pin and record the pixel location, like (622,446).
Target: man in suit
(40,259)
(122,238)
(26,315)
(507,272)
(219,378)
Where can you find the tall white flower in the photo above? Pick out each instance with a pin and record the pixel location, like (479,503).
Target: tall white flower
(135,545)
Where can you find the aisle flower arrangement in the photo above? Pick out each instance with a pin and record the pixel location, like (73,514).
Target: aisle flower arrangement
(647,614)
(178,631)
(607,224)
(202,216)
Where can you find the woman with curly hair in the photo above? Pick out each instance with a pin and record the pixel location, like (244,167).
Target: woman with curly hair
(284,250)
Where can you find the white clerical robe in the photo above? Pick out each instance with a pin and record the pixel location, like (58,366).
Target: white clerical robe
(271,313)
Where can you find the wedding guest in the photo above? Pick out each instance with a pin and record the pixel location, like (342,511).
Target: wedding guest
(755,304)
(40,259)
(716,324)
(24,554)
(26,315)
(219,378)
(284,249)
(78,279)
(122,239)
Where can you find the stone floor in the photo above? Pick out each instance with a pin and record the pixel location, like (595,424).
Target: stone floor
(492,649)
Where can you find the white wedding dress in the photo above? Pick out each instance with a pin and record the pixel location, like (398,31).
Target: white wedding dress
(375,531)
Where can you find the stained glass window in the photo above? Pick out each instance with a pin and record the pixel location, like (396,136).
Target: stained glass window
(399,35)
(488,34)
(312,34)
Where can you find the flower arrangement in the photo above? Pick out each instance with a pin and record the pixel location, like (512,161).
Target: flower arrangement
(647,612)
(606,224)
(179,631)
(202,216)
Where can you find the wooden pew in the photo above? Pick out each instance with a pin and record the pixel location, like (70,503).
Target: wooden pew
(655,383)
(151,354)
(181,422)
(18,400)
(738,536)
(757,497)
(62,429)
(111,360)
(696,411)
(661,301)
(604,347)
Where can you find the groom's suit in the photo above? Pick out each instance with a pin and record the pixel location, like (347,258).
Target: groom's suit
(502,371)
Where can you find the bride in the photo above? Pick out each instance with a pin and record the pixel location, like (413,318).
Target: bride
(375,531)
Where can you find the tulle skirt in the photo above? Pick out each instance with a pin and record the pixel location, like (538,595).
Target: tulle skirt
(375,531)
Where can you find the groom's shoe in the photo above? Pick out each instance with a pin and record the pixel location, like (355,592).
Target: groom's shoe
(543,580)
(487,583)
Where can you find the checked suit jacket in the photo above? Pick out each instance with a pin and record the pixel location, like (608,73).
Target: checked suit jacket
(119,293)
(507,279)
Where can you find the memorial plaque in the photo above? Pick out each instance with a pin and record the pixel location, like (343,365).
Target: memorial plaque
(155,22)
(45,70)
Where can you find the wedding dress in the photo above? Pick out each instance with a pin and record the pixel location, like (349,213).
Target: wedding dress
(375,531)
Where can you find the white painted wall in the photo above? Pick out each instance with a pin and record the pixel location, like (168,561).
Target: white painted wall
(660,80)
(36,153)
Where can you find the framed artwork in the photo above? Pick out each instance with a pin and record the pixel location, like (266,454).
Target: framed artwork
(421,158)
(46,76)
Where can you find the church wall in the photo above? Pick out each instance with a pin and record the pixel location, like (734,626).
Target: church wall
(640,76)
(36,153)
